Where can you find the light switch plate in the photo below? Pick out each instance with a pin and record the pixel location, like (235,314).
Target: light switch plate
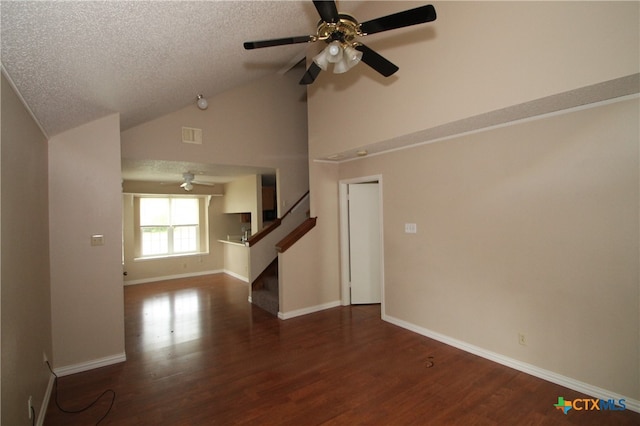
(410,228)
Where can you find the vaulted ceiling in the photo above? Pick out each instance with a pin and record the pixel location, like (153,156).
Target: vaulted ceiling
(76,61)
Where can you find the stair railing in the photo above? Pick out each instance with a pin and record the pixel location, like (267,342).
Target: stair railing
(276,223)
(262,245)
(296,234)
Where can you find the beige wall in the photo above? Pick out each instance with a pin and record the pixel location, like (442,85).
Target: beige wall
(85,198)
(475,58)
(309,271)
(262,124)
(236,260)
(240,196)
(24,264)
(244,195)
(531,228)
(527,229)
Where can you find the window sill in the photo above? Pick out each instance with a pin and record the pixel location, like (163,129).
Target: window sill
(169,256)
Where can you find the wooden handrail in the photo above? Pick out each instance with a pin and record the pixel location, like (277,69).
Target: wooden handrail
(295,205)
(296,234)
(266,231)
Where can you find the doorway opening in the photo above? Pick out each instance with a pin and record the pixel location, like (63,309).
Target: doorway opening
(361,241)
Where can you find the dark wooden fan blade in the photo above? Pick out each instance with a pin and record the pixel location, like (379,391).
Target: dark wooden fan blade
(376,61)
(327,10)
(419,15)
(311,74)
(278,42)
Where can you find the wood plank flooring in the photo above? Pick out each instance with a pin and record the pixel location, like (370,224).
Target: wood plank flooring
(199,354)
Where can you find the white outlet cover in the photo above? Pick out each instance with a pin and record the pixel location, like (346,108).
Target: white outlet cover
(97,240)
(410,228)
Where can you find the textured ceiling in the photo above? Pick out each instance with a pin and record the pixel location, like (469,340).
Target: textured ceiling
(171,171)
(76,61)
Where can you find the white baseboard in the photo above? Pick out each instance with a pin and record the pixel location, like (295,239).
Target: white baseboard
(173,277)
(90,365)
(45,401)
(309,310)
(238,276)
(550,376)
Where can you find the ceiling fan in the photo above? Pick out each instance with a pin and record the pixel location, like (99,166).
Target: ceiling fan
(189,181)
(340,30)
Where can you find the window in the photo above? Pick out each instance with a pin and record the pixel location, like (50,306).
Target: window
(170,226)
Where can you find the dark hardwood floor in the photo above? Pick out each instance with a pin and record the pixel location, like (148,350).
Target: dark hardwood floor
(198,353)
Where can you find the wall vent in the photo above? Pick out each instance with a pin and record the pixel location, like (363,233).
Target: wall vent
(191,135)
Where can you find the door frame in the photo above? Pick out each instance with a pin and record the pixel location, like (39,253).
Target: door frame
(345,293)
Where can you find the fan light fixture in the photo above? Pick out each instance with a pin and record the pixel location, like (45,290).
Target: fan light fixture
(189,181)
(341,31)
(186,185)
(202,102)
(344,57)
(350,58)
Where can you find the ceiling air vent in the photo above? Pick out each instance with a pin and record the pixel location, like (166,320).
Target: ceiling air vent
(191,135)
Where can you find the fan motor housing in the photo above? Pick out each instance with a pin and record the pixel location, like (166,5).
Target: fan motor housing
(345,30)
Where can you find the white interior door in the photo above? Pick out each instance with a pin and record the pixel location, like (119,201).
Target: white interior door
(364,242)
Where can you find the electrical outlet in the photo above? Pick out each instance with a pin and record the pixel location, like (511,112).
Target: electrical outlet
(410,228)
(97,240)
(30,407)
(522,339)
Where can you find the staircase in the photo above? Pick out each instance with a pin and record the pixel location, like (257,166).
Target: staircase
(265,247)
(264,290)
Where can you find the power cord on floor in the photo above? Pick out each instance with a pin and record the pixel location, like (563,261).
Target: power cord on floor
(55,393)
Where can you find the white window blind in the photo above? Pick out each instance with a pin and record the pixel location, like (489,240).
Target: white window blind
(169,225)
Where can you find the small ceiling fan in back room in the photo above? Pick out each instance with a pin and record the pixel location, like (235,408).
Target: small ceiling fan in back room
(189,180)
(340,31)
